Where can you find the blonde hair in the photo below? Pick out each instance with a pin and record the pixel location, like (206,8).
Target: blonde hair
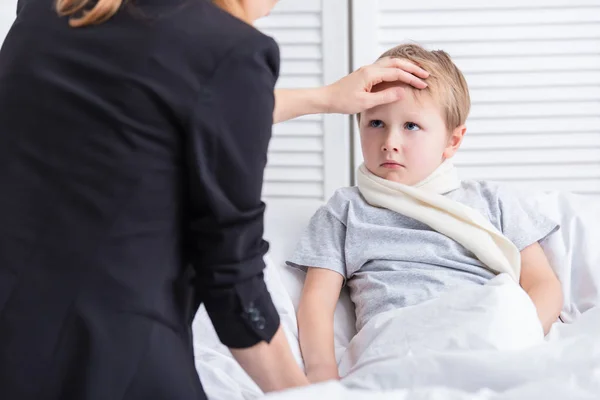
(87,12)
(84,12)
(446,84)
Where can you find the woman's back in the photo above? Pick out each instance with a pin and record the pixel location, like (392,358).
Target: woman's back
(97,130)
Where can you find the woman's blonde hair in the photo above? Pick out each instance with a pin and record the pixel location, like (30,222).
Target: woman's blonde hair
(91,12)
(84,12)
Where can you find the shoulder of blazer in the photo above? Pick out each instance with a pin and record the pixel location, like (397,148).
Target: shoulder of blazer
(238,37)
(213,36)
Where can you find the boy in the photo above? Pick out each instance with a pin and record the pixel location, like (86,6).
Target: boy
(411,230)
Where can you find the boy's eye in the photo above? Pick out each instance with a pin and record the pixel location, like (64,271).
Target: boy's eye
(411,126)
(376,123)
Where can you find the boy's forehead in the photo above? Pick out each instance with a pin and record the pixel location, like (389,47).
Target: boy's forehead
(386,85)
(418,97)
(416,102)
(410,91)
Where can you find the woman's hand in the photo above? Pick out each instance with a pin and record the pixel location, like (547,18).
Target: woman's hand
(271,365)
(322,373)
(351,94)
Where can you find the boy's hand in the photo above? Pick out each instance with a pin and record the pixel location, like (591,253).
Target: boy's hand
(352,94)
(541,284)
(322,373)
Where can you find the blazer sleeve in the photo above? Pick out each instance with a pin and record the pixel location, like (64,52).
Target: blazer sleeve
(226,156)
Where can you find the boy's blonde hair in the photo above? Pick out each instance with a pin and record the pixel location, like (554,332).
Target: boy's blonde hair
(446,84)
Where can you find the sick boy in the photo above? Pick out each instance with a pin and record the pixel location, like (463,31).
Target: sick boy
(390,260)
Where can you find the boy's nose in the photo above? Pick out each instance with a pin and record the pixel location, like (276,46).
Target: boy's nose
(387,147)
(392,142)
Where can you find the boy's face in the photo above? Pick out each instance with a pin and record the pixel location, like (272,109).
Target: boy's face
(407,140)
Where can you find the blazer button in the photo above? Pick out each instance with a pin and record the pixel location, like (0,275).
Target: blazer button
(260,323)
(254,315)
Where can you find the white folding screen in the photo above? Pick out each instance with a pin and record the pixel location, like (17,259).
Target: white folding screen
(533,69)
(304,162)
(309,158)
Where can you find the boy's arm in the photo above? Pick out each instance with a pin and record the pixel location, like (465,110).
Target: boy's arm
(541,284)
(315,323)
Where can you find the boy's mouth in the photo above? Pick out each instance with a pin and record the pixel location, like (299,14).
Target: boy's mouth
(391,165)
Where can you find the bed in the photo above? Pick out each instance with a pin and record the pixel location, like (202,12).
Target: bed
(482,344)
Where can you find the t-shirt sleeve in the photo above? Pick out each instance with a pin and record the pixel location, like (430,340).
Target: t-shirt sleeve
(520,221)
(321,244)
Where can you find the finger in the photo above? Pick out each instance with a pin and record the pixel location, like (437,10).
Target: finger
(375,75)
(406,65)
(384,97)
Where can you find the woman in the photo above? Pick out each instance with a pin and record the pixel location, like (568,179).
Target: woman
(133,139)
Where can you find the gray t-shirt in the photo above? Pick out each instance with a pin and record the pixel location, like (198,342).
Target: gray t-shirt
(389,260)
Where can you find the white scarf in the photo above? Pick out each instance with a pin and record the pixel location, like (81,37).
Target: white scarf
(425,203)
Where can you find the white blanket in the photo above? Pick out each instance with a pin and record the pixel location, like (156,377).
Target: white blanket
(498,316)
(484,343)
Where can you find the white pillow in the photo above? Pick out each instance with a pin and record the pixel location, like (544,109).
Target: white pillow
(344,320)
(574,251)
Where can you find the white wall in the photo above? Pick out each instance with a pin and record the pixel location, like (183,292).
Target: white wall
(8,10)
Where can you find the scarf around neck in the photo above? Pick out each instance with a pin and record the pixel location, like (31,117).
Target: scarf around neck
(425,202)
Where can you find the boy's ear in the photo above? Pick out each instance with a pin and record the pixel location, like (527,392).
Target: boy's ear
(454,141)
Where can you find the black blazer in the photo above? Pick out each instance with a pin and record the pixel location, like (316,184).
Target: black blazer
(129,151)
